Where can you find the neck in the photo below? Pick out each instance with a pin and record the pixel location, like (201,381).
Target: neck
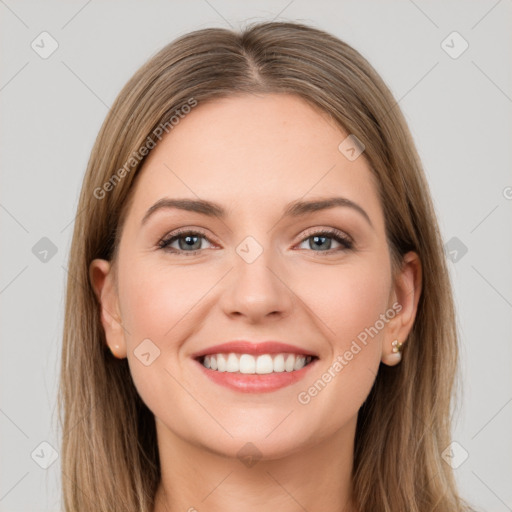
(316,477)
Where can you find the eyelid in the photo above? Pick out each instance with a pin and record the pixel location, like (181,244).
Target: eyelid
(170,237)
(328,231)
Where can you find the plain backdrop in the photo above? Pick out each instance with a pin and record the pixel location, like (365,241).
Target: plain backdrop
(454,89)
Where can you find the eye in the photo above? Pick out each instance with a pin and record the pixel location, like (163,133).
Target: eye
(322,240)
(189,242)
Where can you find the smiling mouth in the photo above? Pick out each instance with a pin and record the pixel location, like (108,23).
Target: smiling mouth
(255,365)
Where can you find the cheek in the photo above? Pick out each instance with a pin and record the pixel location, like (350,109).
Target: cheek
(155,300)
(156,303)
(346,299)
(351,305)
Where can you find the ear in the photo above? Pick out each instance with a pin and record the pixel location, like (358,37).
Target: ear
(102,279)
(405,296)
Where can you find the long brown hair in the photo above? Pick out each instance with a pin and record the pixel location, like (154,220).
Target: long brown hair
(109,449)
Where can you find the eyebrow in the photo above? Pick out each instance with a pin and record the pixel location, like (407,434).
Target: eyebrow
(295,209)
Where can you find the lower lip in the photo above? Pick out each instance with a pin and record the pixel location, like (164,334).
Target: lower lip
(254,383)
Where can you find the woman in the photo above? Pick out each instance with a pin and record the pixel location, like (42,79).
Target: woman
(260,315)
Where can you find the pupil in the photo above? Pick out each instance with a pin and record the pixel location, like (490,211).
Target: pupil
(189,241)
(317,238)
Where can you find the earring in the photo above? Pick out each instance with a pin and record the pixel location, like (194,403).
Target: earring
(395,356)
(397,347)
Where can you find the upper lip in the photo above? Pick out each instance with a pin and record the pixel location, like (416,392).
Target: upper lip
(256,348)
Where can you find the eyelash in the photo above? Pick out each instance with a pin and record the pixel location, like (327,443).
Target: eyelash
(338,236)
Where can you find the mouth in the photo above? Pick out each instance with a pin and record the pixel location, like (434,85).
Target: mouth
(255,368)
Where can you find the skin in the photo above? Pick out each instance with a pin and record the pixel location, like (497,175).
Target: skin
(253,155)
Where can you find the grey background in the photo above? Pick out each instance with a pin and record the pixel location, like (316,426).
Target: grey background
(458,109)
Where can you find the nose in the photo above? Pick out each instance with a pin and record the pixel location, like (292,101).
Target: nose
(257,290)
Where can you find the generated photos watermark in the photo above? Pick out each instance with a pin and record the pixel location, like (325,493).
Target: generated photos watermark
(342,360)
(150,143)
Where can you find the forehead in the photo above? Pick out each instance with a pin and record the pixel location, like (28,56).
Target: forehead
(254,152)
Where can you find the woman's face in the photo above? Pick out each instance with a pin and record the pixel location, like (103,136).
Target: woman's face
(259,271)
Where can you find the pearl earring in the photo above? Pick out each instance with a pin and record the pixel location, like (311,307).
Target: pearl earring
(395,356)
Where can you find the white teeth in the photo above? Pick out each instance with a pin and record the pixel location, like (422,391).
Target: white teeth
(264,364)
(221,362)
(279,363)
(290,363)
(249,364)
(232,364)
